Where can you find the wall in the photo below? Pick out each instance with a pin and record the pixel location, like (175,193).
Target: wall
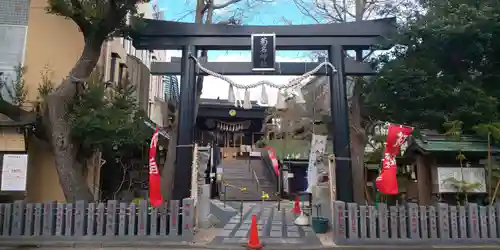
(52,41)
(156,86)
(139,75)
(157,114)
(43,181)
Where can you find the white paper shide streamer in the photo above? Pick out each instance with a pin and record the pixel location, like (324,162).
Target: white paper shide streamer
(230,96)
(247,104)
(229,127)
(299,97)
(264,99)
(280,101)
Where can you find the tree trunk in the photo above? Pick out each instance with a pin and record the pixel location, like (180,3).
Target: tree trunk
(199,19)
(168,171)
(357,145)
(357,131)
(70,171)
(15,112)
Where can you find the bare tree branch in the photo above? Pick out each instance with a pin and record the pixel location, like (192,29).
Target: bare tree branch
(286,21)
(304,10)
(186,13)
(224,5)
(73,11)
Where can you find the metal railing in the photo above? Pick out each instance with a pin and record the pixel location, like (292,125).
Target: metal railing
(256,180)
(254,175)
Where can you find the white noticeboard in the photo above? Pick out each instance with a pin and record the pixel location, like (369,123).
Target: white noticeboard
(318,145)
(470,175)
(14,172)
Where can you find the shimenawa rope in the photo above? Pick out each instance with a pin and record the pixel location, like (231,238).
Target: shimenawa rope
(292,83)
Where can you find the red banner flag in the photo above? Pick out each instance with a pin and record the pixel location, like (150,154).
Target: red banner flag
(155,197)
(387,182)
(396,136)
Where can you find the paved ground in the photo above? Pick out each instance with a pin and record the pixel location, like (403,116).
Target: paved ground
(241,248)
(275,227)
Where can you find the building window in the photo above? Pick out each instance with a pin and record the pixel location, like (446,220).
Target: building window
(120,73)
(112,68)
(128,45)
(150,107)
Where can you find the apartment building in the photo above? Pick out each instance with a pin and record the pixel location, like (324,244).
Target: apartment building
(50,45)
(171,85)
(156,101)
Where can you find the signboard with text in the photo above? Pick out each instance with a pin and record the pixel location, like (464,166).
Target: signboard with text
(449,177)
(14,172)
(263,52)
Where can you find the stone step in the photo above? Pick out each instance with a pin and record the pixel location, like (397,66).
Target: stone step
(238,175)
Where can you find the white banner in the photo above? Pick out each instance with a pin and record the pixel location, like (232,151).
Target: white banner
(14,172)
(318,145)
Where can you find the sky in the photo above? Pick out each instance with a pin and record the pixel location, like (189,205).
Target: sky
(271,13)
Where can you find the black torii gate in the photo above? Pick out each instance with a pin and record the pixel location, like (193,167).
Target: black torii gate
(191,38)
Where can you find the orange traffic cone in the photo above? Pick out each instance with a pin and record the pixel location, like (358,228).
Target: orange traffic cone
(253,240)
(296,206)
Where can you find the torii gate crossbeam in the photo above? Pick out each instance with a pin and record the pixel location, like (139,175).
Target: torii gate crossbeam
(334,38)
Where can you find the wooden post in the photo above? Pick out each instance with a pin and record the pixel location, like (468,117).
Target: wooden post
(490,170)
(226,137)
(495,193)
(233,153)
(241,144)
